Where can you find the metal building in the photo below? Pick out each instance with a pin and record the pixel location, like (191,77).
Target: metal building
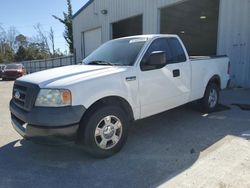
(207,27)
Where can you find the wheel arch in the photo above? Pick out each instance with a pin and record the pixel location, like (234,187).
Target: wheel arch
(214,79)
(112,100)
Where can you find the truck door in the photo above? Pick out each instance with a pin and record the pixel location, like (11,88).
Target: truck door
(168,87)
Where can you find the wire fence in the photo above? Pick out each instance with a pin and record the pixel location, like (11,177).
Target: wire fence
(44,64)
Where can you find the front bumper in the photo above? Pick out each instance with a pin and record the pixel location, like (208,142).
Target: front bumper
(47,124)
(15,76)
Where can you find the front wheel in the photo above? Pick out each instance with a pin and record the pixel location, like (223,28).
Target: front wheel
(104,131)
(210,100)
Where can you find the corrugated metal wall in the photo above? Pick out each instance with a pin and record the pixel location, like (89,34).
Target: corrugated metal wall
(117,10)
(234,38)
(233,35)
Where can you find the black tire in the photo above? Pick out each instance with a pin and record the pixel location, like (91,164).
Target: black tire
(205,103)
(87,130)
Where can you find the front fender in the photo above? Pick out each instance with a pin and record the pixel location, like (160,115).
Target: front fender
(89,92)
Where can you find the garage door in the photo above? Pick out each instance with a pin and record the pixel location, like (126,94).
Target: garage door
(196,22)
(127,27)
(92,40)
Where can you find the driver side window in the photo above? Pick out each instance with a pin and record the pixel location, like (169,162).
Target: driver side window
(157,45)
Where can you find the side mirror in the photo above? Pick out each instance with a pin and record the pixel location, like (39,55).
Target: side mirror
(156,60)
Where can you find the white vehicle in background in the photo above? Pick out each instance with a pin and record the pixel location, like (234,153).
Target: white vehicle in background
(124,80)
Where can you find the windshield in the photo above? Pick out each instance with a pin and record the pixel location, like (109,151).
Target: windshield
(121,52)
(13,66)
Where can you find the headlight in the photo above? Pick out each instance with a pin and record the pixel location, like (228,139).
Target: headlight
(53,98)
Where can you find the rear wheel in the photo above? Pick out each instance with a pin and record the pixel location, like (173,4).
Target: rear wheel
(104,131)
(210,100)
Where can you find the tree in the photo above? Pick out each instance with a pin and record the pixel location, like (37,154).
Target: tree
(31,52)
(20,54)
(7,55)
(1,58)
(3,38)
(42,38)
(22,40)
(17,47)
(58,53)
(7,44)
(67,21)
(52,40)
(11,37)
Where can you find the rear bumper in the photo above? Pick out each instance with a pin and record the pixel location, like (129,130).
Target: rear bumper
(229,83)
(47,125)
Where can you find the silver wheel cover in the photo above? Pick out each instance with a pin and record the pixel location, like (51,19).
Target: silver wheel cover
(213,98)
(108,132)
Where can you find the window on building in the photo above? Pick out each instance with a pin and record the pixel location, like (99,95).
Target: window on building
(196,22)
(128,27)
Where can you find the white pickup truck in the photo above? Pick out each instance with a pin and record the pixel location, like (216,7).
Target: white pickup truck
(124,80)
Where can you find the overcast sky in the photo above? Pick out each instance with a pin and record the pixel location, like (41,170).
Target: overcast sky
(24,14)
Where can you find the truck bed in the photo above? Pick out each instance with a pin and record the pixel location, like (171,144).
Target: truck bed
(204,68)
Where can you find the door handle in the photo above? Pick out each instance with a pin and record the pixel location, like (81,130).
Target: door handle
(131,78)
(176,73)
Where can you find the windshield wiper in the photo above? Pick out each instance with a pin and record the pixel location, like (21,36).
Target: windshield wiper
(98,62)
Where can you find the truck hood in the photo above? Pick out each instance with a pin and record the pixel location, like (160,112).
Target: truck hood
(63,76)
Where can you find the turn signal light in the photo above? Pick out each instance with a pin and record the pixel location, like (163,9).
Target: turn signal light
(66,96)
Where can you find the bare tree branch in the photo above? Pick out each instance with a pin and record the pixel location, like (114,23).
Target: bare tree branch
(52,39)
(42,37)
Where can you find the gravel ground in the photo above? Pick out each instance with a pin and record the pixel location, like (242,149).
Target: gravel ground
(172,149)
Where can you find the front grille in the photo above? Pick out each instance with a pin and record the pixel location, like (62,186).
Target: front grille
(24,94)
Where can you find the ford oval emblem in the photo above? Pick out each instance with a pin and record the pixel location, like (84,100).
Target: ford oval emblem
(17,95)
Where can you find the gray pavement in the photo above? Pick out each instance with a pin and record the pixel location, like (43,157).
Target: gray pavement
(170,149)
